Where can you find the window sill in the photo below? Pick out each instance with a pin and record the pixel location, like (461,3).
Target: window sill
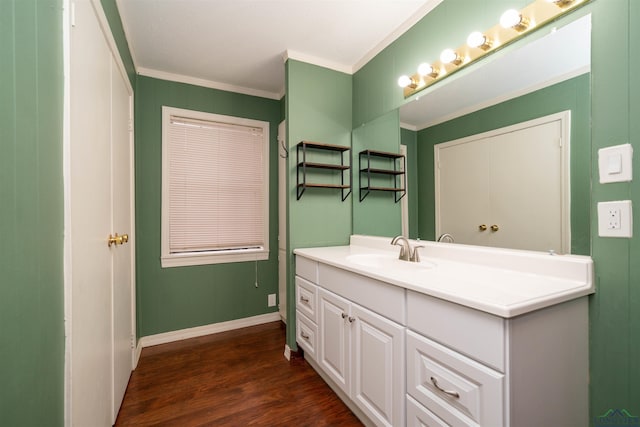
(204,258)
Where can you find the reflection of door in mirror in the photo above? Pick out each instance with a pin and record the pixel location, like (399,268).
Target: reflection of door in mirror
(508,187)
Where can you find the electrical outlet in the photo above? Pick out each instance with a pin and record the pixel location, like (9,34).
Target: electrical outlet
(615,219)
(613,215)
(271,300)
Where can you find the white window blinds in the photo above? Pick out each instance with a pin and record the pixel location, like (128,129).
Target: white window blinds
(215,180)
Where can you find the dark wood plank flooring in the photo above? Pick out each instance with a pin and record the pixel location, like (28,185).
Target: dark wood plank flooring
(235,378)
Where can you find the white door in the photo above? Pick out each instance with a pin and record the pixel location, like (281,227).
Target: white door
(282,220)
(122,223)
(335,338)
(526,197)
(462,191)
(377,367)
(99,278)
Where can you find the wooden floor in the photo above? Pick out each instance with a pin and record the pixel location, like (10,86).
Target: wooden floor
(236,378)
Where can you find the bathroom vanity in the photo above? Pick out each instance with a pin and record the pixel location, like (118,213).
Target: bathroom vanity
(468,336)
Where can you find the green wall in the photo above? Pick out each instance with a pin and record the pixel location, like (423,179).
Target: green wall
(113,17)
(615,108)
(31,213)
(182,297)
(615,308)
(573,95)
(378,214)
(318,108)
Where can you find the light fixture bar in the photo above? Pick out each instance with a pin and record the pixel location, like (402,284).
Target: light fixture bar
(479,44)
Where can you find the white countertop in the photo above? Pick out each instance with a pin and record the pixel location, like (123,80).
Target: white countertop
(502,282)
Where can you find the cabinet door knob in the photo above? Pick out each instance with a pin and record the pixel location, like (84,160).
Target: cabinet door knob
(494,227)
(344,315)
(352,319)
(482,227)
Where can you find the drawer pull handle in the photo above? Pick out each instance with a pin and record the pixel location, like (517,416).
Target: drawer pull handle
(450,393)
(303,299)
(305,336)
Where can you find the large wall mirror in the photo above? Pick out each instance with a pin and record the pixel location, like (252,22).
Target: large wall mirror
(537,81)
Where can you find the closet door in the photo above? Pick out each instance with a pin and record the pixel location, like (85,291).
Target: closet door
(525,175)
(462,191)
(99,277)
(507,188)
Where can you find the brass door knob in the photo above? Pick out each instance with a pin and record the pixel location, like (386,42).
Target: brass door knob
(482,227)
(117,240)
(494,227)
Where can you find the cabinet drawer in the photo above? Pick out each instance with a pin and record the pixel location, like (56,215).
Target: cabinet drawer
(475,392)
(475,333)
(307,268)
(307,298)
(306,335)
(419,416)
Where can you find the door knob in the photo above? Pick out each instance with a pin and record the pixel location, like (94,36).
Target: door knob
(494,227)
(117,240)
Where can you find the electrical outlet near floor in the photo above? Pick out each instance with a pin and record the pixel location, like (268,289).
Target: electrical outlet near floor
(271,300)
(615,219)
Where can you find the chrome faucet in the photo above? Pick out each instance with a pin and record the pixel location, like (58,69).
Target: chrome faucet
(446,237)
(405,249)
(407,252)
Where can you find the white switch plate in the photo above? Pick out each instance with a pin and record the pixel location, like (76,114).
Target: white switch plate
(271,300)
(615,219)
(614,163)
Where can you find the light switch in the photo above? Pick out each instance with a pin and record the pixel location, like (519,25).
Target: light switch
(615,219)
(614,163)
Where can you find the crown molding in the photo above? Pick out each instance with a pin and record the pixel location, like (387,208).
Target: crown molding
(180,78)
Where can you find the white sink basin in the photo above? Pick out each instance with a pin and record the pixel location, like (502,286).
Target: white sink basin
(386,261)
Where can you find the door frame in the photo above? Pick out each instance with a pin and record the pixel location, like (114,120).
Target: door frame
(67,23)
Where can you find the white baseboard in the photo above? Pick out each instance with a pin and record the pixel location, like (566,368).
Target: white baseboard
(136,354)
(287,352)
(214,328)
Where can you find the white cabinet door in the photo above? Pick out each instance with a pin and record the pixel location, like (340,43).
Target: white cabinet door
(377,367)
(335,337)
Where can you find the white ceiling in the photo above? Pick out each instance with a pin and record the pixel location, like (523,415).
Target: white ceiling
(240,45)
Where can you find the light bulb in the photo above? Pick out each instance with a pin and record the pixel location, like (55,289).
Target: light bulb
(425,69)
(477,39)
(512,19)
(561,3)
(404,81)
(449,56)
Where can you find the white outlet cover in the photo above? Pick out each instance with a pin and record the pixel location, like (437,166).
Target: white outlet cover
(626,219)
(615,163)
(271,300)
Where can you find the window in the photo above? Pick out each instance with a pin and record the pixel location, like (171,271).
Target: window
(215,188)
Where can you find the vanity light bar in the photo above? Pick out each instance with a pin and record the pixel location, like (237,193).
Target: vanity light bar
(513,25)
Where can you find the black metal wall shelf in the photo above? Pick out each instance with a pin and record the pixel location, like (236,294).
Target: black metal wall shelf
(302,167)
(395,170)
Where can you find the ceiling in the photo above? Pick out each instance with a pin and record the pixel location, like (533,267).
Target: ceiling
(241,45)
